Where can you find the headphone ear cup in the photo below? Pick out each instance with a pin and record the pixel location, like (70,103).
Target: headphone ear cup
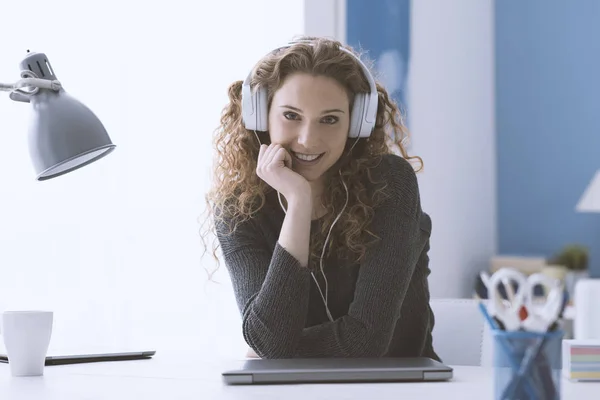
(357,116)
(248,108)
(261,110)
(254,108)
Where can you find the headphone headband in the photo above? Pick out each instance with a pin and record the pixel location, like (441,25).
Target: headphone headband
(363,114)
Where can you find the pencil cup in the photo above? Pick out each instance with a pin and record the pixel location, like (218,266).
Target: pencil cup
(527,365)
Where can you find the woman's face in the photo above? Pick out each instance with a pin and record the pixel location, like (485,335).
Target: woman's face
(310,117)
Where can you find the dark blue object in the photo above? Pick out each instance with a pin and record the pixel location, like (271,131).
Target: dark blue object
(381,30)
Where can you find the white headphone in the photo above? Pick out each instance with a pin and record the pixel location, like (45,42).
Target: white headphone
(362,123)
(362,117)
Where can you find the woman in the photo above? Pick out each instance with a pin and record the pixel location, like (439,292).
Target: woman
(319,222)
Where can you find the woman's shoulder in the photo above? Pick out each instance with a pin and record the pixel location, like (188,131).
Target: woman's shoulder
(392,165)
(395,172)
(399,180)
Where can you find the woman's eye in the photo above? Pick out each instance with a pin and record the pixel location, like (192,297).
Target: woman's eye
(330,119)
(290,115)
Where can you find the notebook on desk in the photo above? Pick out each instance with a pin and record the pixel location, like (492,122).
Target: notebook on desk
(76,357)
(336,370)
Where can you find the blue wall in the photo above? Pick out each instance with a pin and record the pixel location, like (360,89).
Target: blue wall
(548,125)
(381,31)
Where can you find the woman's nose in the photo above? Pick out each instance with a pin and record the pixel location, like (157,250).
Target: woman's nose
(308,136)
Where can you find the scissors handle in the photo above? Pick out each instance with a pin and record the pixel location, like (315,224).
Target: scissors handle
(509,315)
(544,314)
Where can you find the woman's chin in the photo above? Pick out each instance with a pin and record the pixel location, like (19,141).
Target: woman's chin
(310,176)
(313,173)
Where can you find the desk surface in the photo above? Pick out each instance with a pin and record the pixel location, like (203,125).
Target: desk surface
(179,376)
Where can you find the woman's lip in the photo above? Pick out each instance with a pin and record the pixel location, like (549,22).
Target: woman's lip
(306,154)
(316,160)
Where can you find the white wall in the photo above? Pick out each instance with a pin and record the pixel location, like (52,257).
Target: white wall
(113,248)
(451,113)
(325,18)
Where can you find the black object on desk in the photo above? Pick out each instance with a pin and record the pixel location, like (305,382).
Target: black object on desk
(74,358)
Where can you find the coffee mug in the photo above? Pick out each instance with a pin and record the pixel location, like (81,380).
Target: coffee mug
(26,337)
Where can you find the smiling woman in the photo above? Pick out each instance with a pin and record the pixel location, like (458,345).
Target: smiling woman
(315,129)
(310,117)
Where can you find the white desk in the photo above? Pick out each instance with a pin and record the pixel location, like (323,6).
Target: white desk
(176,376)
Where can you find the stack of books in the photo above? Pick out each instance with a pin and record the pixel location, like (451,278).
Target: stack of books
(581,360)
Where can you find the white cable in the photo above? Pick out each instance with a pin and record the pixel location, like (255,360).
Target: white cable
(324,297)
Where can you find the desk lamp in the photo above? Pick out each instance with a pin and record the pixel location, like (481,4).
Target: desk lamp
(64,134)
(587,290)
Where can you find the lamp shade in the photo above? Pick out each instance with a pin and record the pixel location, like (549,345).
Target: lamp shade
(64,134)
(590,200)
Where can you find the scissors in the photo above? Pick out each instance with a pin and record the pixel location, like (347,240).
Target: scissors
(522,312)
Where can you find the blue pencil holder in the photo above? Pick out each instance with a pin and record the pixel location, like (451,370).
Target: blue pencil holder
(527,365)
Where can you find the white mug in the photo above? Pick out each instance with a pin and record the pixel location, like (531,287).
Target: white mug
(26,337)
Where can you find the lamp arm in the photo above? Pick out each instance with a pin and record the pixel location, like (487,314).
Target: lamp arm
(31,82)
(18,93)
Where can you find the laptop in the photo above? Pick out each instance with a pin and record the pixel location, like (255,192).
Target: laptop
(337,370)
(74,357)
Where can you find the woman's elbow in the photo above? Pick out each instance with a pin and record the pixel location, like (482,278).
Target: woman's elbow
(274,351)
(373,347)
(373,351)
(266,346)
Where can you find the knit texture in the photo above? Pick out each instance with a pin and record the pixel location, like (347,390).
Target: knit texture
(380,305)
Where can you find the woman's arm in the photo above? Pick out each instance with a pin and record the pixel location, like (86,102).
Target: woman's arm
(295,231)
(393,267)
(384,280)
(271,285)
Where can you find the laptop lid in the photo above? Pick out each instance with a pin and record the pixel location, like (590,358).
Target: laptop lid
(333,370)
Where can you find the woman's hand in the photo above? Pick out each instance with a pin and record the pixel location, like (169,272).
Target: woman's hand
(274,167)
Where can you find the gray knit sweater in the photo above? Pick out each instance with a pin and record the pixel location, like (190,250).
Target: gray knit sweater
(380,306)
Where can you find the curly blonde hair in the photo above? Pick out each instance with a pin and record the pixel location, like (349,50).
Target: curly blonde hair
(237,193)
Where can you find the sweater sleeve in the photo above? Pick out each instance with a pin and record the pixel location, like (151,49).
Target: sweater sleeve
(384,277)
(271,290)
